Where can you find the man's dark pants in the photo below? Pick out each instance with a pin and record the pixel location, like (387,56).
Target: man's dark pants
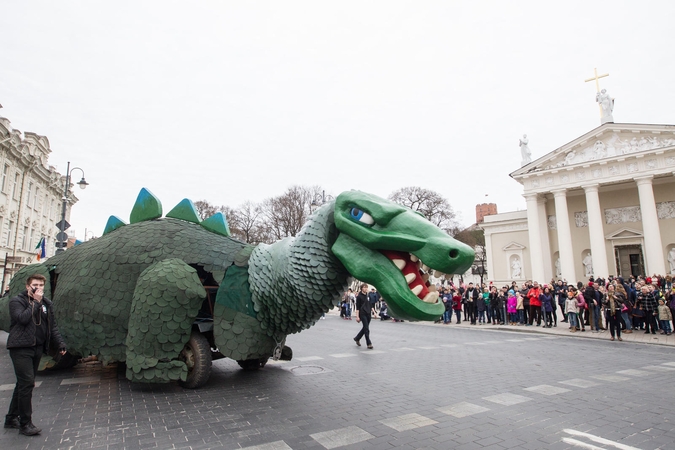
(25,361)
(365,327)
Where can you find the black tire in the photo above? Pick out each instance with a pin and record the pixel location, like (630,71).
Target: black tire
(252,364)
(197,356)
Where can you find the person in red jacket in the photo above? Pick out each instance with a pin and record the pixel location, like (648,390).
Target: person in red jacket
(535,304)
(457,305)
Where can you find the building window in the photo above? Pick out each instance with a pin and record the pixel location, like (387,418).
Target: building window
(5,173)
(35,198)
(32,239)
(10,230)
(44,205)
(15,188)
(29,198)
(24,239)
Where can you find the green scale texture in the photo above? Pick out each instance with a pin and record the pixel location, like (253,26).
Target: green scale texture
(296,280)
(166,300)
(96,280)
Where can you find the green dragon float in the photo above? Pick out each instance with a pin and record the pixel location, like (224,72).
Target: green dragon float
(167,295)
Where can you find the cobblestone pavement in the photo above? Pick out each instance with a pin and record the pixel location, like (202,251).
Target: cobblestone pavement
(424,386)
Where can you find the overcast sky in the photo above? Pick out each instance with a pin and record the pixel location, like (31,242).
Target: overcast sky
(236,101)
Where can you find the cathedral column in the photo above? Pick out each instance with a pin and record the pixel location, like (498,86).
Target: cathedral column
(564,236)
(650,227)
(596,232)
(545,241)
(534,231)
(488,252)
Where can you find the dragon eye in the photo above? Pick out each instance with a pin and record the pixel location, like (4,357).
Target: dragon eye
(361,216)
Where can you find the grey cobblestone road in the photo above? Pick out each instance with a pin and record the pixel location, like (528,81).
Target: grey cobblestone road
(422,387)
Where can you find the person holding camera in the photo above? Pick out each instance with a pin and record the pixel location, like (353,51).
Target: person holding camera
(32,328)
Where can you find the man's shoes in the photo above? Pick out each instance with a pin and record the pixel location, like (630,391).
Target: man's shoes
(12,423)
(370,346)
(358,342)
(29,429)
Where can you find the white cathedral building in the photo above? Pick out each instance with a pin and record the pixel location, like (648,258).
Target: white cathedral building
(602,204)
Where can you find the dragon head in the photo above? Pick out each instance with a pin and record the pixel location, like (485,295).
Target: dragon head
(394,248)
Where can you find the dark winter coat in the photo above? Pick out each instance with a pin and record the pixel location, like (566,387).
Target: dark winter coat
(22,327)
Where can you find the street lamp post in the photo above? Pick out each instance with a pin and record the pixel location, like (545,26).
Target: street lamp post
(62,237)
(320,200)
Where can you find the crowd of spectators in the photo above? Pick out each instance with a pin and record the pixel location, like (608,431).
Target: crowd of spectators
(646,304)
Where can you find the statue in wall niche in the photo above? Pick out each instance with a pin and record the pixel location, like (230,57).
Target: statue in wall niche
(558,270)
(607,105)
(516,268)
(525,152)
(671,260)
(588,264)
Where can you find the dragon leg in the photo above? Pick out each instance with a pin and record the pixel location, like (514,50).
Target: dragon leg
(166,300)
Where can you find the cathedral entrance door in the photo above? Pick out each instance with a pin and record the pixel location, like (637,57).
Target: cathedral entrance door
(629,260)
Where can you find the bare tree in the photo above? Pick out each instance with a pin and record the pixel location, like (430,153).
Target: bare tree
(430,203)
(286,214)
(474,237)
(205,209)
(247,223)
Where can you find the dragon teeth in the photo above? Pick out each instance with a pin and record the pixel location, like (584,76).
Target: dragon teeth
(414,258)
(410,278)
(425,267)
(438,274)
(417,289)
(399,263)
(431,297)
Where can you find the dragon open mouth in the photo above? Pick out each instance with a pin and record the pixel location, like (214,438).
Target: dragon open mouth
(416,274)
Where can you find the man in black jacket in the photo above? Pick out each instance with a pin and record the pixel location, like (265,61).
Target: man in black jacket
(32,327)
(363,310)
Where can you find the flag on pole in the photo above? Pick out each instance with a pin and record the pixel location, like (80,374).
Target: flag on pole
(40,247)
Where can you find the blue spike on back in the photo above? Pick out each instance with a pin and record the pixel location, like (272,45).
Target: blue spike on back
(114,223)
(217,223)
(185,210)
(147,207)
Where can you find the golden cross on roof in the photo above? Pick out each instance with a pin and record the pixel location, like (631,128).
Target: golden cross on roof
(597,84)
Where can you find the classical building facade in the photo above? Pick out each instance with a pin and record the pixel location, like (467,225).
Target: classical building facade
(602,204)
(31,193)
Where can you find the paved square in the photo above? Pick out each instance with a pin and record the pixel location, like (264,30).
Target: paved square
(580,382)
(669,364)
(462,409)
(309,358)
(374,352)
(659,368)
(546,389)
(403,349)
(612,378)
(507,399)
(408,422)
(278,445)
(341,437)
(343,355)
(633,372)
(10,387)
(83,380)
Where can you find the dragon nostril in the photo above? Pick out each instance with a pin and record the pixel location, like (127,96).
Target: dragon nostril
(454,253)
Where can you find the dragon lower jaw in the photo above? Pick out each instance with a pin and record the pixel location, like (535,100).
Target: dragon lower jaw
(416,274)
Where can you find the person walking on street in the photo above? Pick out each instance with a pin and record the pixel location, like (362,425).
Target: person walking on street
(613,303)
(32,327)
(363,315)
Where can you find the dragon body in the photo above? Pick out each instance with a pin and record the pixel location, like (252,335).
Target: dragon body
(167,294)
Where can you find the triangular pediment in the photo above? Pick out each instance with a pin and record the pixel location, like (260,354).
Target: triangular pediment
(624,233)
(607,142)
(513,246)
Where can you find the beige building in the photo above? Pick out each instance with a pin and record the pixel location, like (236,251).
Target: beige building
(31,193)
(602,204)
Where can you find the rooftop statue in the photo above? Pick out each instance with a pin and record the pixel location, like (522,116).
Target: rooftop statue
(607,105)
(168,294)
(525,152)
